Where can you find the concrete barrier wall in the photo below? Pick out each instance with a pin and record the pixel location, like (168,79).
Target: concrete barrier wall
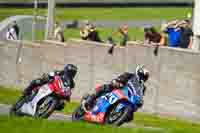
(174,83)
(173,87)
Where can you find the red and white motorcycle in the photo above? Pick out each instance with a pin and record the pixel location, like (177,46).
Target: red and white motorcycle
(42,101)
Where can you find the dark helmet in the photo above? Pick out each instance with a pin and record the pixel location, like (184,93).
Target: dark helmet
(142,73)
(70,71)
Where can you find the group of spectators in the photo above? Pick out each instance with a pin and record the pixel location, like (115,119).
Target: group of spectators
(89,32)
(179,34)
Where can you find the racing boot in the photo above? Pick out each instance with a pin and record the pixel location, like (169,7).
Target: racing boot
(60,105)
(88,101)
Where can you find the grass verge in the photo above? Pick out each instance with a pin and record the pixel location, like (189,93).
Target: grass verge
(29,125)
(113,14)
(170,124)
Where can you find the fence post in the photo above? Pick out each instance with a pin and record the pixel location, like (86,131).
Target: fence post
(196,26)
(34,20)
(50,19)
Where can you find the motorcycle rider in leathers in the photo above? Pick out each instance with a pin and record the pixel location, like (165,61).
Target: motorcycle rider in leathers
(67,76)
(140,76)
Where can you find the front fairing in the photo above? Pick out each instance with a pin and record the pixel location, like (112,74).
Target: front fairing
(104,102)
(59,88)
(130,100)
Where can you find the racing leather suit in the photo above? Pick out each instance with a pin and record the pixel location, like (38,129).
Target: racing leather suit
(46,78)
(119,83)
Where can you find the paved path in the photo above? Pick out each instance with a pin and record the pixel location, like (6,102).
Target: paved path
(112,24)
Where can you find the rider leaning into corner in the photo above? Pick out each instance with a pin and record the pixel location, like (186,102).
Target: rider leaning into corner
(67,76)
(138,79)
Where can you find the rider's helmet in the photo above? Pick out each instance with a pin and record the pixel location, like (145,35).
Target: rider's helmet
(70,71)
(142,73)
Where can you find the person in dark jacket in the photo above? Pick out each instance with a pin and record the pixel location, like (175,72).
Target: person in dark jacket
(93,34)
(67,75)
(186,34)
(151,36)
(16,27)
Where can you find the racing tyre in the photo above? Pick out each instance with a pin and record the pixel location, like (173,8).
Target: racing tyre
(15,109)
(46,107)
(118,118)
(78,114)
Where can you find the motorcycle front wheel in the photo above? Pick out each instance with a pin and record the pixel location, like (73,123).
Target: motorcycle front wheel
(46,107)
(78,114)
(118,118)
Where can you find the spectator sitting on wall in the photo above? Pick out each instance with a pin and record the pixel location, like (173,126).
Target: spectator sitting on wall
(186,34)
(58,32)
(94,34)
(151,36)
(173,30)
(123,30)
(84,32)
(11,33)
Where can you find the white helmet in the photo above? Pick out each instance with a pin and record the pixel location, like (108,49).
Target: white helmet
(142,73)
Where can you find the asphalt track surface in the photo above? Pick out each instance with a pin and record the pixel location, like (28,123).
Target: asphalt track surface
(4,110)
(110,24)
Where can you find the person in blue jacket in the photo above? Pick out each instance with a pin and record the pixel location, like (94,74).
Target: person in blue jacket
(174,33)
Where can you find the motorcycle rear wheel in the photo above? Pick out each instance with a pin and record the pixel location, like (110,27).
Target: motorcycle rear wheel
(14,110)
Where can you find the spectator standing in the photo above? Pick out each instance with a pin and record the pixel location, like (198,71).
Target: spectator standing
(16,27)
(58,32)
(123,30)
(84,32)
(186,34)
(173,30)
(11,33)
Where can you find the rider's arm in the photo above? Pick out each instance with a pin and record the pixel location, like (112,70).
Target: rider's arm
(68,88)
(122,79)
(46,77)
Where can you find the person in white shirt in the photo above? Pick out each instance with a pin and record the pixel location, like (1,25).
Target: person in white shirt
(11,34)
